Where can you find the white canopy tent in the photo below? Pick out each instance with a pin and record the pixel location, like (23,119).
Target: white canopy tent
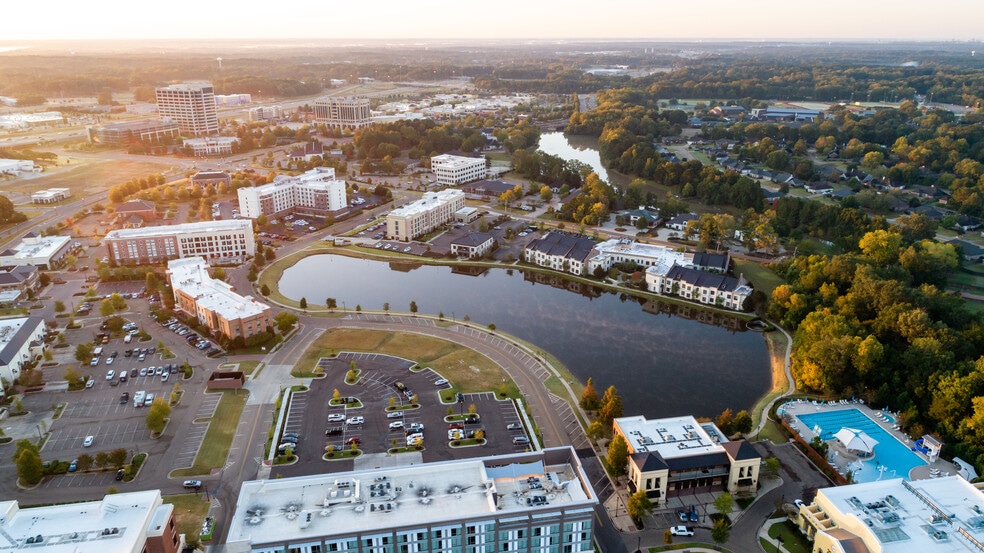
(856,440)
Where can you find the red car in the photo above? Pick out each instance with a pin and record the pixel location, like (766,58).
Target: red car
(353,440)
(454,425)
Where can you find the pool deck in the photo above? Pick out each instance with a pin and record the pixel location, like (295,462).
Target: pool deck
(804,407)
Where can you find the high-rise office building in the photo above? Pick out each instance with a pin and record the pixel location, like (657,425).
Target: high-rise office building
(191,106)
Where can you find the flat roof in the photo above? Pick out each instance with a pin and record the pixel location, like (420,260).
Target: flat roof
(118,522)
(921,515)
(450,161)
(170,230)
(349,503)
(428,202)
(190,276)
(38,246)
(672,437)
(14,333)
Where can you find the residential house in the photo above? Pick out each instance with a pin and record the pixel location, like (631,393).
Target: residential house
(698,286)
(680,221)
(472,245)
(971,251)
(820,188)
(308,152)
(560,251)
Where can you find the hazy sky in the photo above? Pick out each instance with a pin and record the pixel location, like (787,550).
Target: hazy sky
(535,19)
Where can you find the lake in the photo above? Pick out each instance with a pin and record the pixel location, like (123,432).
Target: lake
(580,148)
(662,364)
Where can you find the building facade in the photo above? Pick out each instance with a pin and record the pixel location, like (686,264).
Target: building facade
(343,112)
(215,178)
(191,106)
(216,241)
(21,341)
(424,215)
(214,303)
(51,195)
(46,252)
(538,502)
(680,456)
(454,170)
(315,193)
(215,146)
(472,245)
(560,251)
(23,279)
(699,286)
(123,133)
(266,113)
(897,516)
(137,522)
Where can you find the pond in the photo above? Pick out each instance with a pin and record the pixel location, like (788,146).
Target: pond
(663,364)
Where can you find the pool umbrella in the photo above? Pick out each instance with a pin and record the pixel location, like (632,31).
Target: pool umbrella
(856,440)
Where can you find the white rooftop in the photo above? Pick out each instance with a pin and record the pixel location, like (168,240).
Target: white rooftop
(190,276)
(38,247)
(672,437)
(317,178)
(418,495)
(453,162)
(662,257)
(427,202)
(204,226)
(120,522)
(921,515)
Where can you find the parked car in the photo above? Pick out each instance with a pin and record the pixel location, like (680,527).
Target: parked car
(682,531)
(73,466)
(336,417)
(353,440)
(415,427)
(90,383)
(521,440)
(143,371)
(110,375)
(396,425)
(88,441)
(193,484)
(440,381)
(395,415)
(120,474)
(355,420)
(514,426)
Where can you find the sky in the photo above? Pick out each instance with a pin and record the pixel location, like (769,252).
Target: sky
(498,19)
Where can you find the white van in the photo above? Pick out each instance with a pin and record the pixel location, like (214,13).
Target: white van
(138,399)
(128,338)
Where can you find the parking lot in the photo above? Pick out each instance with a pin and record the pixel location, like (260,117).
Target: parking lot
(310,415)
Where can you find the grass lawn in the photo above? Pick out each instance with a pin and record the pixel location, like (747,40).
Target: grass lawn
(792,539)
(218,438)
(189,512)
(247,367)
(468,370)
(761,277)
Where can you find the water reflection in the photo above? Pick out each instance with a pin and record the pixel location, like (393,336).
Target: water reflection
(665,359)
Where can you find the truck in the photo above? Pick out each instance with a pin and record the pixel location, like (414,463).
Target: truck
(138,399)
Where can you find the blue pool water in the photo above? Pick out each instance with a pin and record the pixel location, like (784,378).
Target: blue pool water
(892,459)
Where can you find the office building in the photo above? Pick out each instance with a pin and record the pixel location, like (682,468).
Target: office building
(424,215)
(214,303)
(17,282)
(21,341)
(452,170)
(315,193)
(191,106)
(560,251)
(125,132)
(343,112)
(45,252)
(51,195)
(680,456)
(216,241)
(266,113)
(133,522)
(539,502)
(897,516)
(211,146)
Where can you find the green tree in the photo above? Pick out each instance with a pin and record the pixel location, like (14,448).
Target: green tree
(492,328)
(262,220)
(725,422)
(101,460)
(59,306)
(84,462)
(106,308)
(639,506)
(331,303)
(589,397)
(618,456)
(117,457)
(386,306)
(73,377)
(611,406)
(742,422)
(413,307)
(83,352)
(303,303)
(285,320)
(265,290)
(219,273)
(724,503)
(30,468)
(22,445)
(595,430)
(157,415)
(721,532)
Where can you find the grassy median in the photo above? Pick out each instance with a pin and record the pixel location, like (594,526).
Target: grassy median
(189,512)
(218,438)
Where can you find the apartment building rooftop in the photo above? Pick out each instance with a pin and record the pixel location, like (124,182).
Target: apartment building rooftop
(353,502)
(190,276)
(672,437)
(428,201)
(204,226)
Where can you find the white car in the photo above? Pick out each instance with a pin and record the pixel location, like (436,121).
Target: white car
(682,531)
(355,420)
(336,417)
(396,425)
(440,381)
(395,415)
(90,383)
(88,441)
(110,375)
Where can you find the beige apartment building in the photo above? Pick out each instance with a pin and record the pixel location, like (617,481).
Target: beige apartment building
(424,215)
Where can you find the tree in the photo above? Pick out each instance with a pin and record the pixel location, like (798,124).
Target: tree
(30,469)
(157,415)
(386,306)
(73,377)
(303,303)
(59,306)
(492,328)
(589,397)
(721,531)
(724,503)
(219,273)
(413,307)
(611,406)
(265,290)
(117,457)
(595,430)
(331,303)
(106,308)
(83,352)
(618,456)
(270,255)
(101,460)
(725,422)
(84,462)
(639,506)
(261,220)
(285,320)
(742,423)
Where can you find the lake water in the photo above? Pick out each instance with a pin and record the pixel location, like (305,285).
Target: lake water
(663,365)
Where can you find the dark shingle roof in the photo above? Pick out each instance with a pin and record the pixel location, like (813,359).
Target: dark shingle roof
(557,244)
(472,239)
(648,461)
(703,279)
(740,450)
(711,260)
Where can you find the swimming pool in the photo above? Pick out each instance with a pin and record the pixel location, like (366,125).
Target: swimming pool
(892,459)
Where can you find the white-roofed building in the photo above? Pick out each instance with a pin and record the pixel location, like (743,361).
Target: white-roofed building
(897,516)
(522,503)
(343,112)
(229,241)
(214,303)
(452,170)
(15,166)
(51,195)
(42,251)
(211,146)
(680,456)
(21,341)
(314,193)
(424,215)
(130,522)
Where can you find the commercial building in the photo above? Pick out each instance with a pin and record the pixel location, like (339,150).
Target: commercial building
(315,193)
(41,251)
(133,522)
(21,279)
(15,166)
(215,178)
(538,502)
(21,341)
(51,195)
(214,146)
(424,215)
(473,244)
(560,251)
(343,112)
(622,250)
(191,106)
(266,113)
(233,99)
(680,456)
(452,170)
(896,516)
(214,303)
(123,133)
(229,241)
